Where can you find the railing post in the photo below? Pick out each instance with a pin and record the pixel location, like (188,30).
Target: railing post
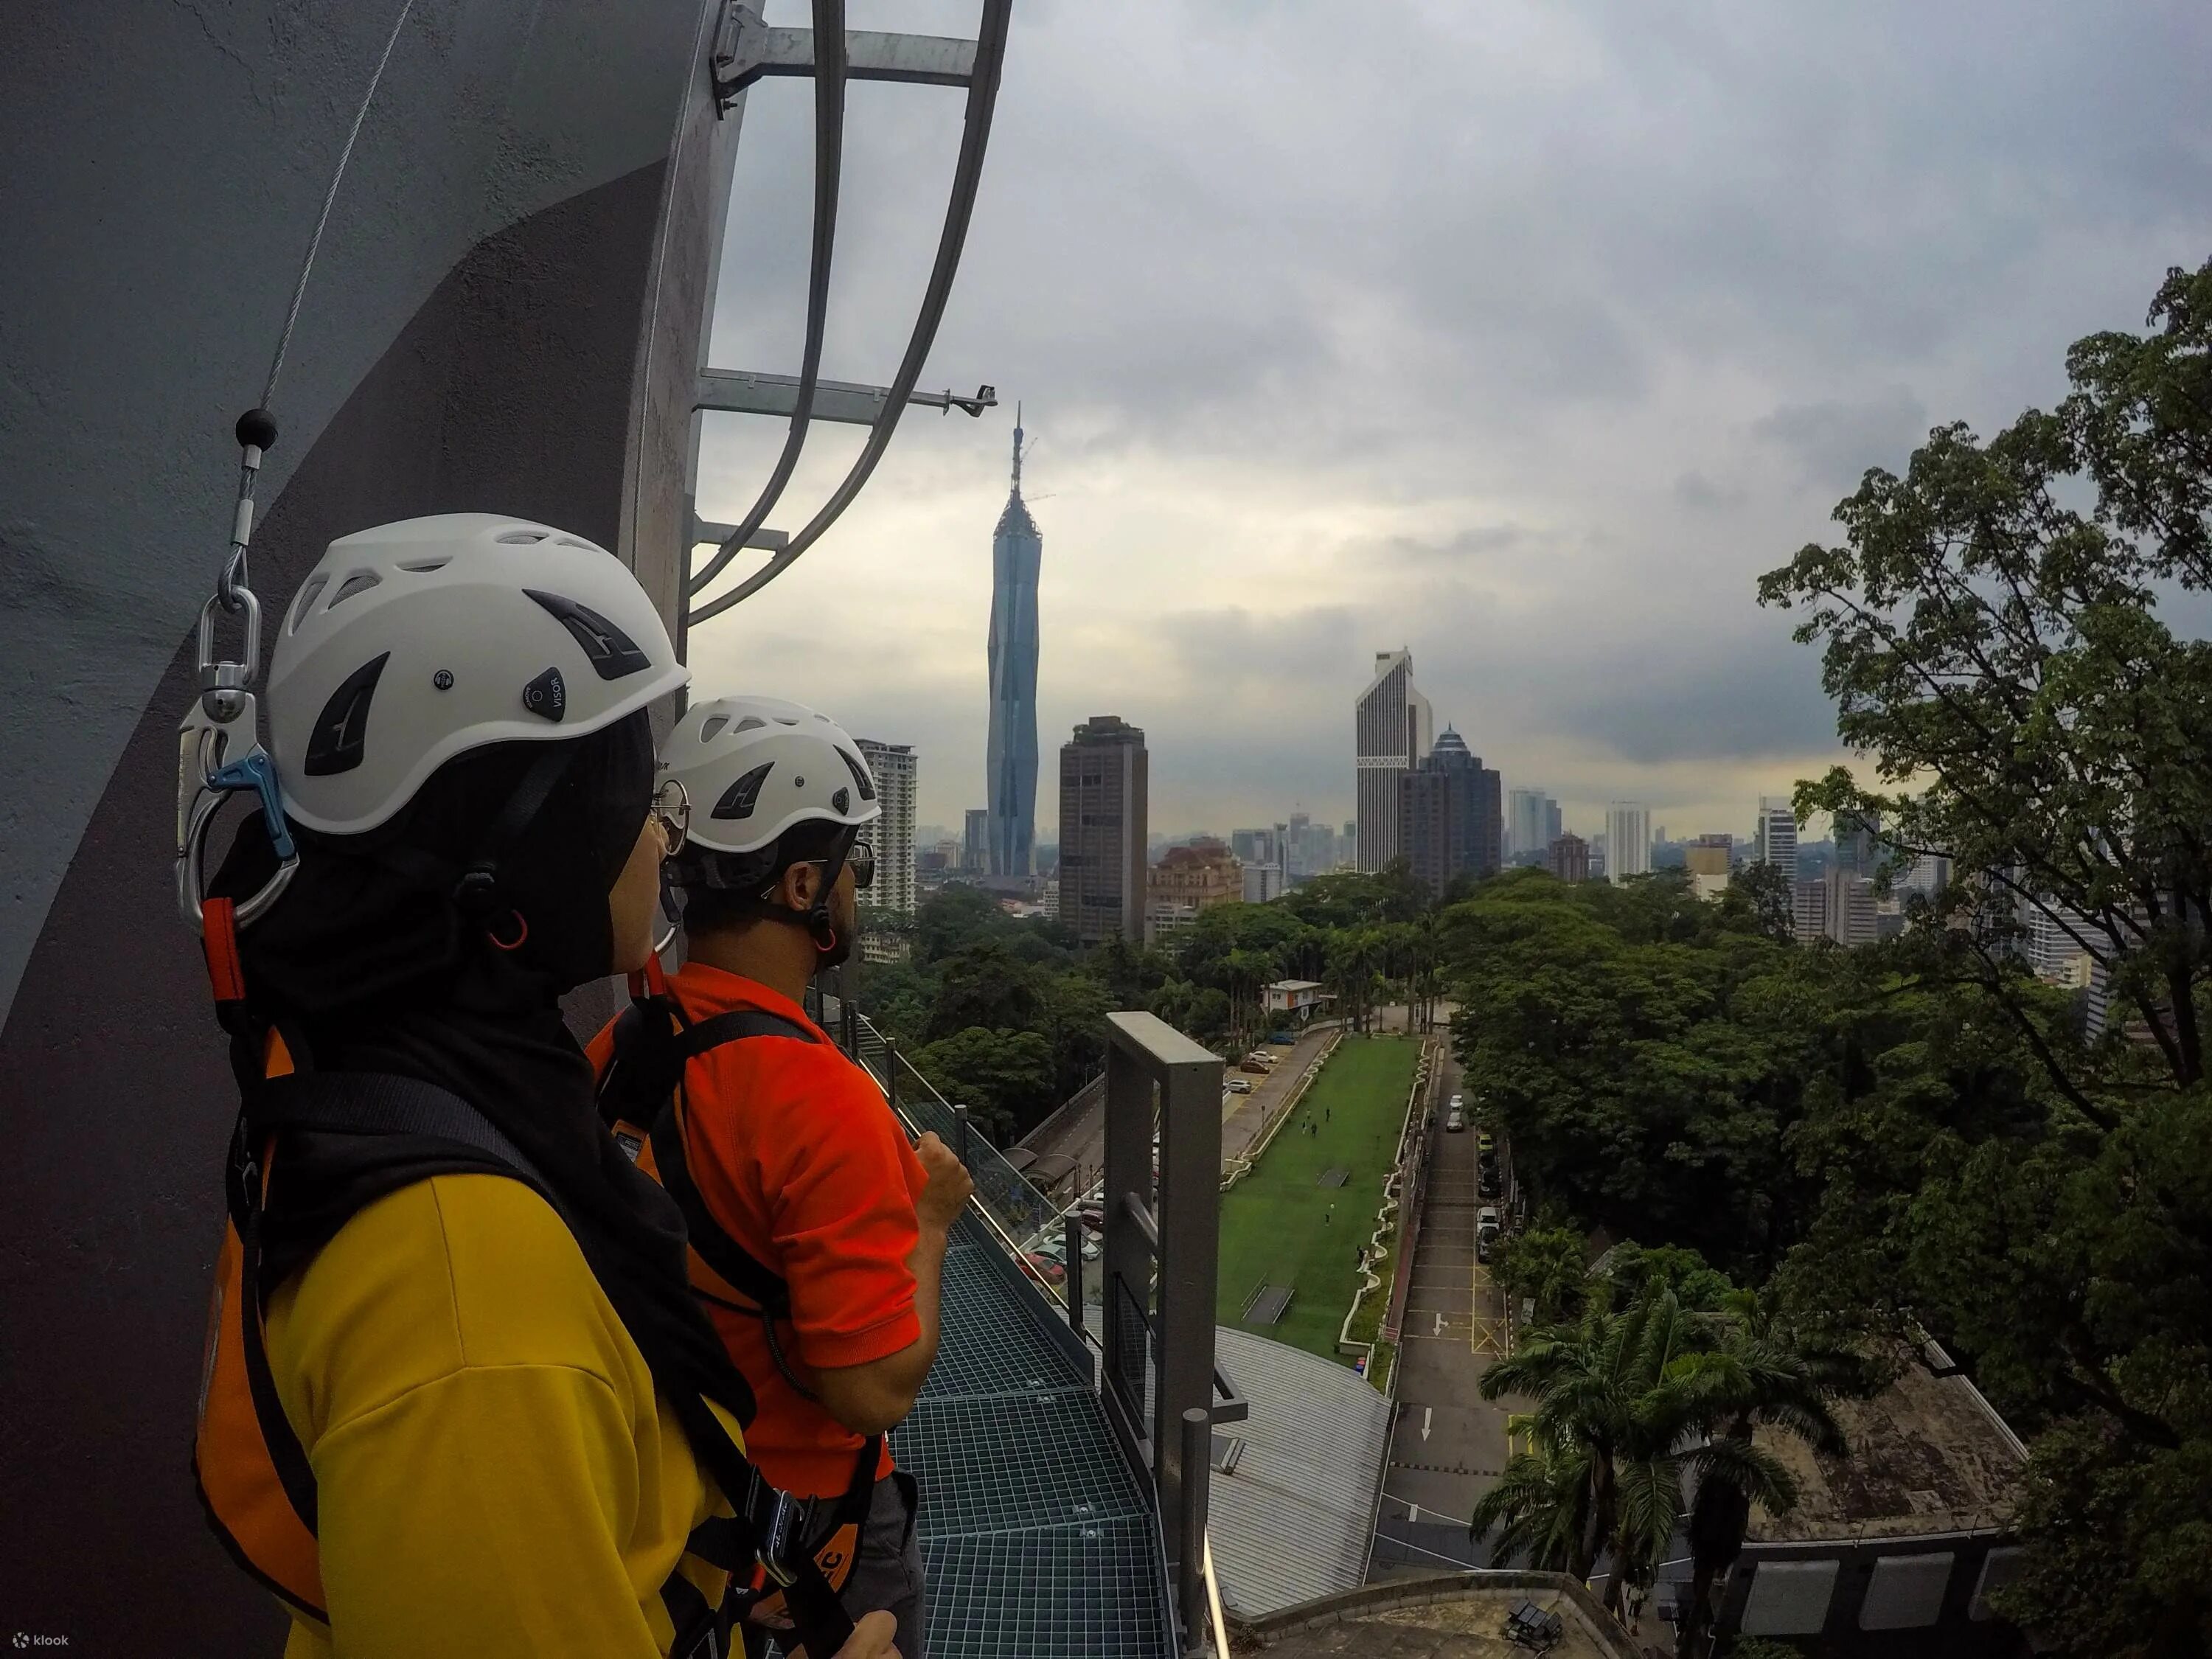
(890,1073)
(960,1134)
(1074,1270)
(1190,1583)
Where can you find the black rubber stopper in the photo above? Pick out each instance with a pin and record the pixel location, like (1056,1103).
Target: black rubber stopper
(257,427)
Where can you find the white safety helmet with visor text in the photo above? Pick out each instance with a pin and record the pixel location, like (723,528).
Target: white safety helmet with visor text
(412,642)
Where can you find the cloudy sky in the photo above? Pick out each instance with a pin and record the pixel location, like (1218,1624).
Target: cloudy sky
(1523,334)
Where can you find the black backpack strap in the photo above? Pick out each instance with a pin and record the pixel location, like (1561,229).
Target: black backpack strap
(739,1023)
(331,1103)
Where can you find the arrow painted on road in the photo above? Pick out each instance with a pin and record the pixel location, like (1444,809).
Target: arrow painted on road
(1428,1416)
(1439,1330)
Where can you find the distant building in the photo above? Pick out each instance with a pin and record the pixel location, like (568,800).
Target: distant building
(1568,858)
(1709,859)
(1808,908)
(1447,815)
(1246,844)
(896,770)
(1532,822)
(1103,836)
(1010,752)
(1390,733)
(1187,880)
(1263,883)
(1774,837)
(1294,996)
(1858,843)
(1627,841)
(975,842)
(1851,918)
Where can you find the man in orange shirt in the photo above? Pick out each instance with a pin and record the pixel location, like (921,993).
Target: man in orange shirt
(818,1234)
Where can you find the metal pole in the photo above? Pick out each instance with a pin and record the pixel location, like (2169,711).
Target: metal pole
(960,1133)
(1190,1582)
(890,1073)
(1074,1271)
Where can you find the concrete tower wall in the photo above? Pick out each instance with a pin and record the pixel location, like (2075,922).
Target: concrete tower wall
(487,327)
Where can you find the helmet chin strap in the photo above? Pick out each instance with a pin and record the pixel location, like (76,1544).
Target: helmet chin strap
(818,920)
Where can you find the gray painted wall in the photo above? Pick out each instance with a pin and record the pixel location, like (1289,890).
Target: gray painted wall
(474,339)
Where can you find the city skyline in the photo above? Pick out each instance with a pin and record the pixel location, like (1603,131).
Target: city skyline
(1552,425)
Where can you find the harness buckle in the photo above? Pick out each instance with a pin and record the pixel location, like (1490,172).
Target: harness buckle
(780,1547)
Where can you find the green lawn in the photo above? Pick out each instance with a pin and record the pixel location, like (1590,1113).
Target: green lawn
(1279,1227)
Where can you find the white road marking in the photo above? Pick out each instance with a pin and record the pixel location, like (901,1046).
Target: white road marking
(1439,1330)
(1428,1416)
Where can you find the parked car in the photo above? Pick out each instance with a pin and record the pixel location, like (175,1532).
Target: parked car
(1454,1120)
(1238,1085)
(1488,1186)
(1049,1268)
(1250,1064)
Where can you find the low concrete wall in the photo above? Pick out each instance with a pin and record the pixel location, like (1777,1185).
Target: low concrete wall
(1574,1598)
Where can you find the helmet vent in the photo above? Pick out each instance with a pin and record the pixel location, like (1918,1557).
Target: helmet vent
(860,779)
(738,799)
(713,728)
(359,582)
(424,567)
(751,723)
(342,726)
(309,595)
(612,654)
(571,541)
(522,538)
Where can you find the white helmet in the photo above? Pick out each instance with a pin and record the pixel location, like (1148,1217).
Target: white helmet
(413,642)
(756,766)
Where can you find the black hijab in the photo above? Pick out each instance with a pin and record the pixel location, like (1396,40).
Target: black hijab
(372,963)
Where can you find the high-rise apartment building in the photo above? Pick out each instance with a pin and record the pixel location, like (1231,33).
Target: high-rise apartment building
(1774,836)
(1011,753)
(1390,733)
(1447,815)
(1853,921)
(892,835)
(975,841)
(1102,830)
(1568,857)
(1627,841)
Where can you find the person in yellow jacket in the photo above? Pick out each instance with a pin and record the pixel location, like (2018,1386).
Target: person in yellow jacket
(500,1423)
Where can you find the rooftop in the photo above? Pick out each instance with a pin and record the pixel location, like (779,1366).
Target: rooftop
(1458,1615)
(1929,1454)
(1294,1518)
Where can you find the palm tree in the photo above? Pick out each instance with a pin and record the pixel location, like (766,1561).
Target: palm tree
(1763,1373)
(1623,1387)
(1540,1504)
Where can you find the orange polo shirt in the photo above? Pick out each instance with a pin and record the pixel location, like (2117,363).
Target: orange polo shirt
(798,1156)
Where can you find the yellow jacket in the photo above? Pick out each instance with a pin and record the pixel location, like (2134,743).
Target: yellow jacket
(496,1474)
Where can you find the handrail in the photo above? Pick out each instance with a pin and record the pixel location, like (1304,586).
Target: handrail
(967,177)
(829,166)
(1213,1601)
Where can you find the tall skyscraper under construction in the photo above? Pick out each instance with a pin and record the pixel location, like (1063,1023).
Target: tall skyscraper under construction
(1010,761)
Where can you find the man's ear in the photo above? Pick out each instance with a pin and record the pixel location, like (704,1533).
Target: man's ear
(799,884)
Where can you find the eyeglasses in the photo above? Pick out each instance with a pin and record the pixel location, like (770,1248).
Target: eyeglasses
(860,859)
(672,806)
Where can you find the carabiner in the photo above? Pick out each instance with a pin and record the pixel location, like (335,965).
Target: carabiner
(207,772)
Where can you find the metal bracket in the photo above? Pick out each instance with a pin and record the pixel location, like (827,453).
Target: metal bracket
(746,49)
(749,391)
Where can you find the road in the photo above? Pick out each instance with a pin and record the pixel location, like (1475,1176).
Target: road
(1082,1135)
(1449,1443)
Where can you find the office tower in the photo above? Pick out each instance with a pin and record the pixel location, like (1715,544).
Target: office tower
(892,834)
(1263,882)
(1774,837)
(1554,825)
(975,841)
(1568,857)
(1010,757)
(1530,828)
(1245,844)
(1297,850)
(1627,841)
(1102,830)
(1448,816)
(1390,733)
(1851,919)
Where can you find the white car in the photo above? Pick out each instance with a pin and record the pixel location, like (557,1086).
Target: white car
(1239,1086)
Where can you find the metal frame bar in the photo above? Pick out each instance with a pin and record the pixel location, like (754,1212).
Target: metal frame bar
(829,71)
(982,83)
(1169,1251)
(749,392)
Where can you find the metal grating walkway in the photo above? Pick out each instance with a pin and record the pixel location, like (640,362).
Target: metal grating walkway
(1036,1539)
